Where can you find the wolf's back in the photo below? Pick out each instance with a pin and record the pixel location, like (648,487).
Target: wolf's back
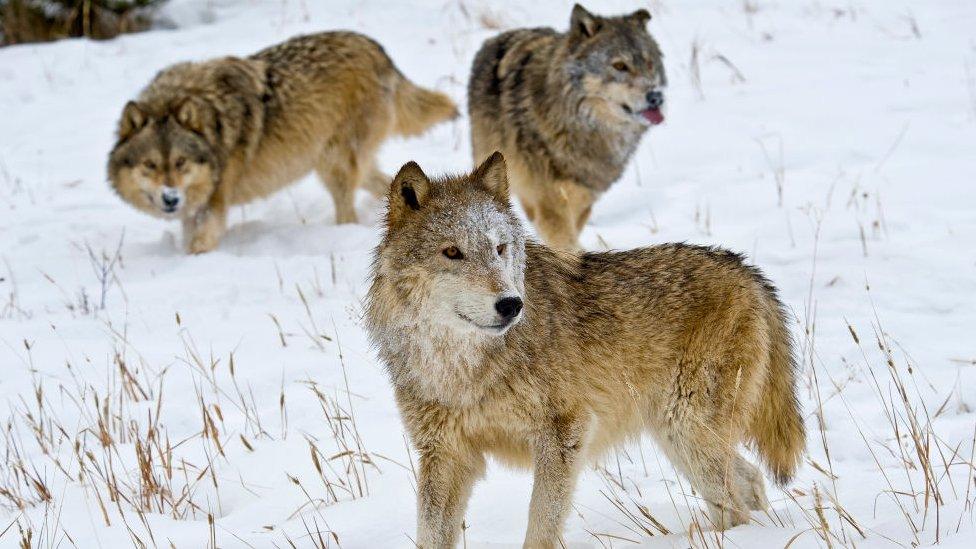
(486,77)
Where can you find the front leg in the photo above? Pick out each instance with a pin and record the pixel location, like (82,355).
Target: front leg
(207,226)
(557,461)
(559,211)
(444,484)
(189,229)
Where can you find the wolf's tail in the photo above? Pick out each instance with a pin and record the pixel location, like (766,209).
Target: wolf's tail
(777,425)
(418,109)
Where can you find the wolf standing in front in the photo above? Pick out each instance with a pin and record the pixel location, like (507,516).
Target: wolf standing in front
(204,136)
(500,346)
(567,110)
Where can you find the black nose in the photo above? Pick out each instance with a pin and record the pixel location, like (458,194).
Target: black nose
(655,99)
(508,307)
(170,200)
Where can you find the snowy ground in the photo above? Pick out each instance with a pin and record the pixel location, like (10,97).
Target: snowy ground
(185,389)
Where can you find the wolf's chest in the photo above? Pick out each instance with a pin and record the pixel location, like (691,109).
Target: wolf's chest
(443,373)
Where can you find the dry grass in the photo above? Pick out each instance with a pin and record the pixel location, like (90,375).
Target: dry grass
(111,440)
(776,164)
(922,470)
(924,473)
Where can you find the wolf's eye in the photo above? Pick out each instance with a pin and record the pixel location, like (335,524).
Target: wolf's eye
(620,66)
(180,162)
(149,164)
(501,249)
(451,252)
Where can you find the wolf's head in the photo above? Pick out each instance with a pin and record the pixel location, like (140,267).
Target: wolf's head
(163,163)
(616,65)
(454,253)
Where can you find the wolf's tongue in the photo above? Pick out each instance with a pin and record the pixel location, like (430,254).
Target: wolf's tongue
(653,116)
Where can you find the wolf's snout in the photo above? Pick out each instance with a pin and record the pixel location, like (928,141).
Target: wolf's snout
(655,99)
(652,114)
(508,307)
(170,198)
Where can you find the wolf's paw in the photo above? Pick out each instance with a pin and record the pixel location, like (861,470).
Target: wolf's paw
(344,217)
(724,518)
(755,497)
(202,243)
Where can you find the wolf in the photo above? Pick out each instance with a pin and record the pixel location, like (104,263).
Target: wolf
(500,346)
(204,136)
(567,110)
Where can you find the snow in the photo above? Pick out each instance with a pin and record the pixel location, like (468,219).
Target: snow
(863,112)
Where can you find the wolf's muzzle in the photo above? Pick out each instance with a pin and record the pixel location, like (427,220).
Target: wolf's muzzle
(171,199)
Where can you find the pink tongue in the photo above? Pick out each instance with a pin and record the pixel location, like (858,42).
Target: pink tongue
(653,116)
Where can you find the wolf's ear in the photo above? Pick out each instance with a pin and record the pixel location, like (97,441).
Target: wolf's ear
(133,119)
(640,17)
(493,174)
(190,115)
(583,23)
(409,190)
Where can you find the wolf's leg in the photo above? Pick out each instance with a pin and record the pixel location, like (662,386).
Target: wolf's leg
(376,182)
(554,221)
(189,228)
(749,482)
(557,457)
(581,203)
(583,217)
(444,485)
(208,225)
(704,456)
(559,211)
(340,172)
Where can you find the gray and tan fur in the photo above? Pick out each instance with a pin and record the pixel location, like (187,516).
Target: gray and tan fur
(204,136)
(499,346)
(567,110)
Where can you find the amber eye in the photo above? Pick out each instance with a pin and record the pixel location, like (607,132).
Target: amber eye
(180,162)
(501,249)
(621,66)
(451,252)
(149,165)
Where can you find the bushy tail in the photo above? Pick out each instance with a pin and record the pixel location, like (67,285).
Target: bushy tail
(777,426)
(418,109)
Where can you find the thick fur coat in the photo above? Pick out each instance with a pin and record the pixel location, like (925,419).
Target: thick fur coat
(687,343)
(204,136)
(567,110)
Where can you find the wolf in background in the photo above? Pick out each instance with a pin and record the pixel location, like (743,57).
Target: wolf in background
(567,110)
(500,346)
(207,135)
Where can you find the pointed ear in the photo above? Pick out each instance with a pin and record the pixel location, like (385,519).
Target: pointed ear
(583,23)
(133,119)
(189,114)
(408,191)
(493,175)
(640,17)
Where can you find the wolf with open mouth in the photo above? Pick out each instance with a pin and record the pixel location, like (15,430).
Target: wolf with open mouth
(567,110)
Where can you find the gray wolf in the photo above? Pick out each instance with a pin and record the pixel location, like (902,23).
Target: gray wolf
(567,110)
(204,136)
(500,346)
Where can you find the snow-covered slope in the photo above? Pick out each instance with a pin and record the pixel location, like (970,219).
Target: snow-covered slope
(832,142)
